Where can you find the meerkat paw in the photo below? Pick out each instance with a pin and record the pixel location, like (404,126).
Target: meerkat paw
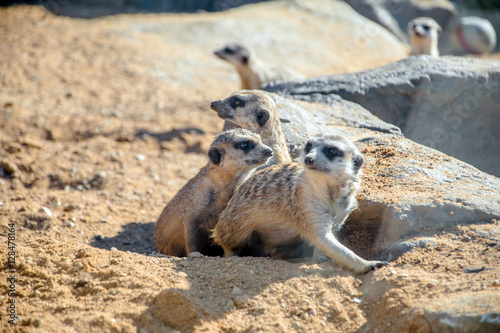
(374,264)
(195,254)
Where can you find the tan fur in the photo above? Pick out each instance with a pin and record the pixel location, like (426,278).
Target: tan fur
(253,72)
(424,35)
(252,105)
(186,222)
(284,204)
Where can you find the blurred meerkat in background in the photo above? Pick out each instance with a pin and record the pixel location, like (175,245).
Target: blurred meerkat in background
(253,72)
(424,34)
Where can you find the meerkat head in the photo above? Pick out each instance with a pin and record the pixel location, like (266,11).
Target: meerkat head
(238,149)
(249,109)
(236,54)
(423,30)
(334,155)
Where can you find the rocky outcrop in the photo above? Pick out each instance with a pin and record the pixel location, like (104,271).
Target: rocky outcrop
(447,103)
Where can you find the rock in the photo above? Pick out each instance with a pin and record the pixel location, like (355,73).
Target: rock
(397,249)
(448,103)
(376,11)
(237,291)
(458,313)
(175,308)
(405,186)
(241,301)
(8,168)
(195,254)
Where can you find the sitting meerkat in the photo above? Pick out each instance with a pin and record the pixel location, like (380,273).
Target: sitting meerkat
(424,33)
(256,111)
(186,222)
(253,73)
(287,203)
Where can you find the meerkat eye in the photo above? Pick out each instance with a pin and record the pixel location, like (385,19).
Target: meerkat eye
(426,27)
(246,146)
(236,101)
(308,147)
(228,50)
(333,152)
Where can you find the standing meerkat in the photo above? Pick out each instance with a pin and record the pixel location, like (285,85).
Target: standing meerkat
(284,204)
(424,33)
(185,225)
(253,73)
(256,111)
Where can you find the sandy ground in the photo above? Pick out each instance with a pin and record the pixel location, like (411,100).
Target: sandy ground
(93,145)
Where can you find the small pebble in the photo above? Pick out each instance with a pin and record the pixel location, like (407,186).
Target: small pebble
(237,291)
(241,301)
(195,255)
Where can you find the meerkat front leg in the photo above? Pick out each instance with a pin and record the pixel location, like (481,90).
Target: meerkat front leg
(329,245)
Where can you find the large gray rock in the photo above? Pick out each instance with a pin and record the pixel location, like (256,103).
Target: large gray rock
(377,12)
(448,103)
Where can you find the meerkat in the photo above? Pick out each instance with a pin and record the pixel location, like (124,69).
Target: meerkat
(253,73)
(424,33)
(256,111)
(285,204)
(185,225)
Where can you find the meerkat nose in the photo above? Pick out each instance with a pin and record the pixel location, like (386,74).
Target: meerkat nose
(213,105)
(268,152)
(309,161)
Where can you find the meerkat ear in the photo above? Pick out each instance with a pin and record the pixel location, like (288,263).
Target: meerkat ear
(215,155)
(357,161)
(262,117)
(244,60)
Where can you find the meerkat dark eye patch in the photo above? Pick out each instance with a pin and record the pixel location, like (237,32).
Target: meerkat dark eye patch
(308,147)
(236,102)
(214,155)
(332,152)
(229,50)
(246,146)
(426,27)
(262,117)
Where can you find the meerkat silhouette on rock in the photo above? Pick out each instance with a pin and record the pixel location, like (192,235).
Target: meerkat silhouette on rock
(285,204)
(184,227)
(424,34)
(256,111)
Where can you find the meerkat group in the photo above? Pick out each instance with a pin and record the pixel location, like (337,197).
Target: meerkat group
(278,209)
(290,203)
